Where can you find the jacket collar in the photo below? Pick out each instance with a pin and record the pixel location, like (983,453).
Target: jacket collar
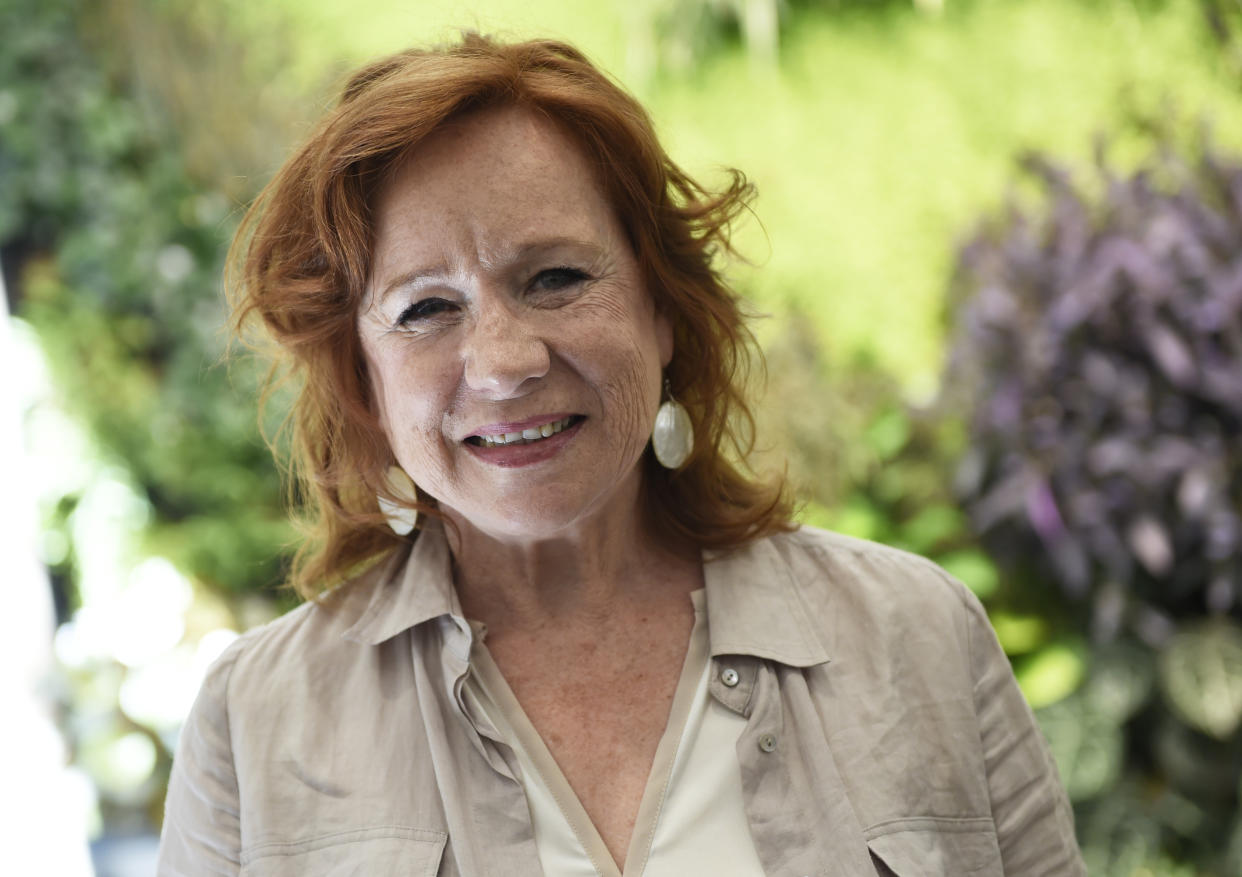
(754,605)
(415,586)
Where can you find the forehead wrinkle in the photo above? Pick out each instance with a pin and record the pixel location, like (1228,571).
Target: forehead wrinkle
(473,223)
(508,253)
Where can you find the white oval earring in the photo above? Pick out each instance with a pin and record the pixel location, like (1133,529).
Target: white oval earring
(673,435)
(401,519)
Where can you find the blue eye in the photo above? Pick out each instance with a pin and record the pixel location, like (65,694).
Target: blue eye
(421,310)
(554,279)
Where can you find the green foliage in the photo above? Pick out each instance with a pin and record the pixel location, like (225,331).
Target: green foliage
(1201,677)
(883,132)
(115,254)
(112,250)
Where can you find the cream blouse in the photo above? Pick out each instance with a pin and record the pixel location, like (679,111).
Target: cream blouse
(692,818)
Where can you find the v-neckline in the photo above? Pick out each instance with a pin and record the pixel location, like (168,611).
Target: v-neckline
(689,683)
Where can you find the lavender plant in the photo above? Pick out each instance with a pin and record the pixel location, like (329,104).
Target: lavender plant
(1099,352)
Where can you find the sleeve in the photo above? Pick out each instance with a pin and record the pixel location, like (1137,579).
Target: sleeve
(1034,822)
(202,825)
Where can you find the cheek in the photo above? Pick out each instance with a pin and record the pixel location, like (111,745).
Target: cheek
(410,408)
(413,425)
(403,399)
(632,390)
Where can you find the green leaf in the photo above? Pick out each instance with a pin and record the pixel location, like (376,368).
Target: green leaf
(1194,764)
(1121,680)
(859,518)
(1201,677)
(888,433)
(974,569)
(933,525)
(1018,634)
(1050,675)
(1087,744)
(1233,854)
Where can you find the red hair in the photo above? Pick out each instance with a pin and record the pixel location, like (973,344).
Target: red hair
(302,258)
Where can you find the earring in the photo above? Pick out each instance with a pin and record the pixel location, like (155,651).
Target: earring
(673,436)
(401,518)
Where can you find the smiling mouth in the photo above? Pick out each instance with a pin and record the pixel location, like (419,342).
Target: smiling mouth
(525,436)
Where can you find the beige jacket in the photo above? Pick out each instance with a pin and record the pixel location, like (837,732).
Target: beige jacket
(333,740)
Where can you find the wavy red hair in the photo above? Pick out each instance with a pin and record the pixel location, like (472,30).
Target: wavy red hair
(302,256)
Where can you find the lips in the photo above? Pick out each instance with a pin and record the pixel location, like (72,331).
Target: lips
(507,435)
(505,445)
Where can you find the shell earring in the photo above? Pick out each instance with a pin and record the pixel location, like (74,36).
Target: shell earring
(402,519)
(673,436)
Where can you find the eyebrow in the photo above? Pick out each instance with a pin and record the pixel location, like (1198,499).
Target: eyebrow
(410,278)
(525,250)
(521,254)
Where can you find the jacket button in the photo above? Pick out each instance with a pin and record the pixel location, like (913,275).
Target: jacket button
(729,677)
(767,742)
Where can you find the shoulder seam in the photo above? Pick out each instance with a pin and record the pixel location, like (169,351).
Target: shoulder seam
(895,558)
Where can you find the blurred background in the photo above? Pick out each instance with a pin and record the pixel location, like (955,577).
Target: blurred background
(997,256)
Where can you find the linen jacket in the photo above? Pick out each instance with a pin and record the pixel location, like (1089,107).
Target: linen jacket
(885,733)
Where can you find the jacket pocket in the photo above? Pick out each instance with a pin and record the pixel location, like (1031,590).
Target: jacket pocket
(383,851)
(935,847)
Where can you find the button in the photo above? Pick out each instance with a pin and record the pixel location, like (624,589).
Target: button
(767,742)
(729,677)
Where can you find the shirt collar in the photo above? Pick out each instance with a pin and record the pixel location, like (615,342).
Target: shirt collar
(416,586)
(754,605)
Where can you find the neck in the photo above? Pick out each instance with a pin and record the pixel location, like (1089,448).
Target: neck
(584,574)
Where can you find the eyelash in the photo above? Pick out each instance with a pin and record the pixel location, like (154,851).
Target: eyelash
(422,309)
(426,308)
(571,276)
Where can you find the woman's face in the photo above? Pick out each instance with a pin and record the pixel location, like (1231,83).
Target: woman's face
(514,352)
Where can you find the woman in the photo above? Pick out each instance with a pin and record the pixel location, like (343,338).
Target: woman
(557,649)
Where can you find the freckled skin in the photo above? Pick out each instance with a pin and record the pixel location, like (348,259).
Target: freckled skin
(464,207)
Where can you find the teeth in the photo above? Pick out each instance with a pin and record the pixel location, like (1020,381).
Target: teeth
(533,434)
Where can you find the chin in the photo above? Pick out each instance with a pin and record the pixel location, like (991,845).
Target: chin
(523,523)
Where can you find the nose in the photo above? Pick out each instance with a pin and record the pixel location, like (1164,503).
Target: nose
(503,352)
